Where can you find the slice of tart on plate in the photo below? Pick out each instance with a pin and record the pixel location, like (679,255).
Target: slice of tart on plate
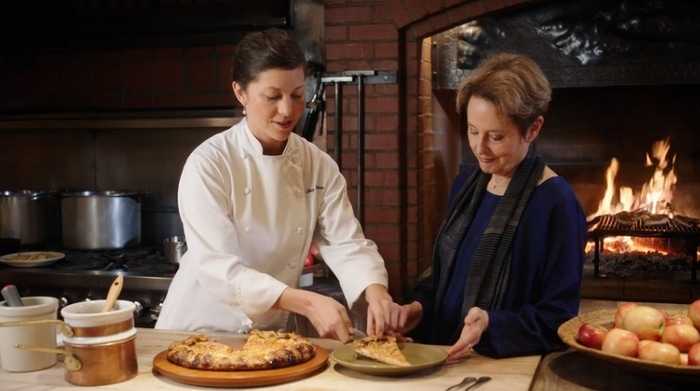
(383,349)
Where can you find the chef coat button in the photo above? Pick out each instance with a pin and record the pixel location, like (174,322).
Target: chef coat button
(246,190)
(247,229)
(300,230)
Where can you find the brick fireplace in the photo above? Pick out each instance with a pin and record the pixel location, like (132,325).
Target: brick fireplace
(598,112)
(620,71)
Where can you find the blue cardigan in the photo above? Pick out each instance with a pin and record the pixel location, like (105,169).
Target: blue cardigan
(544,287)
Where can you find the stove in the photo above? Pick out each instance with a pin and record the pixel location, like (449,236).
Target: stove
(144,262)
(87,275)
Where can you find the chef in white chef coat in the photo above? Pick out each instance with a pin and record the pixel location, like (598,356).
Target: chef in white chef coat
(253,198)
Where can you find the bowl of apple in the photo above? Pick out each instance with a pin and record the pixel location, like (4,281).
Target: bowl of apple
(639,336)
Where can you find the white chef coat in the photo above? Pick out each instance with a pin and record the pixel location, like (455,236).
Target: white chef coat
(249,220)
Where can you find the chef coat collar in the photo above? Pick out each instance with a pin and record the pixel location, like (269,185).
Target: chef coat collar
(255,148)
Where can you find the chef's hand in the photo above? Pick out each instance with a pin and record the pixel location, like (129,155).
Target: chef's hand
(329,318)
(409,317)
(475,323)
(382,312)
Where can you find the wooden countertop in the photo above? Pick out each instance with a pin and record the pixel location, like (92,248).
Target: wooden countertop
(508,374)
(568,370)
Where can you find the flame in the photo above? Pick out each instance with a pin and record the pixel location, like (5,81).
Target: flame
(657,194)
(626,244)
(655,197)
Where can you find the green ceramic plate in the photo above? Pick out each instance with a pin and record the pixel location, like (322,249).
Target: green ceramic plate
(420,356)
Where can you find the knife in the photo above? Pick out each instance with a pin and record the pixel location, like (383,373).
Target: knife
(356,334)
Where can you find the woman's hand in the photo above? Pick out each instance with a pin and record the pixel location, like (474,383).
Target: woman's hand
(409,317)
(475,323)
(329,318)
(382,312)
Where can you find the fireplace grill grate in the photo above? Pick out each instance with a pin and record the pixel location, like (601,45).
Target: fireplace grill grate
(642,224)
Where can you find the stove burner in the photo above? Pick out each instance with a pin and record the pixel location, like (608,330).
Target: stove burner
(138,261)
(86,275)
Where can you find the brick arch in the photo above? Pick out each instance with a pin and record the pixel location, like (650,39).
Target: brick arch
(405,12)
(416,20)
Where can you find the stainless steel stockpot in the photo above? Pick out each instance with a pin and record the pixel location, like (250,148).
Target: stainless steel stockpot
(28,216)
(101,220)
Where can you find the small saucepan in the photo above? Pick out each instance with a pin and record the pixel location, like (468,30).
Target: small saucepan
(174,248)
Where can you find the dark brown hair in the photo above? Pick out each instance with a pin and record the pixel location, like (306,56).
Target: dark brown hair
(263,50)
(514,83)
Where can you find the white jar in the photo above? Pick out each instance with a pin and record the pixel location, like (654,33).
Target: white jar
(43,335)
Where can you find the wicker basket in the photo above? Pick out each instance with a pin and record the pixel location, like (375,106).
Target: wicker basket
(568,330)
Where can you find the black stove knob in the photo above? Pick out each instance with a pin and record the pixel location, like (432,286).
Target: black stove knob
(138,308)
(155,311)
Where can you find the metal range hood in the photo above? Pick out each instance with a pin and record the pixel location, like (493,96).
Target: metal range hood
(79,23)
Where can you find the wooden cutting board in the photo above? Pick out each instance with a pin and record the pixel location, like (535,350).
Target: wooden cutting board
(262,377)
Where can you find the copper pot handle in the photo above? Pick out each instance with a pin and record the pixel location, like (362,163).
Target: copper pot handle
(65,329)
(70,362)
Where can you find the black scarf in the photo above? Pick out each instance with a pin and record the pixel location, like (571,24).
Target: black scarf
(489,271)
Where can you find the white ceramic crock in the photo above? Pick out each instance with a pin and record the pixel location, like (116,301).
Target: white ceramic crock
(36,308)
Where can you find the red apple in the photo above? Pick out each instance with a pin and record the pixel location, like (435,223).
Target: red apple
(622,342)
(694,313)
(682,336)
(694,355)
(684,358)
(642,344)
(591,336)
(678,319)
(645,321)
(621,311)
(659,352)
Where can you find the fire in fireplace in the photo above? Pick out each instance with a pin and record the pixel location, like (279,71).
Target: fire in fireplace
(643,225)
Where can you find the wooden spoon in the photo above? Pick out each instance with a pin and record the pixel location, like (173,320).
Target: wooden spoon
(113,293)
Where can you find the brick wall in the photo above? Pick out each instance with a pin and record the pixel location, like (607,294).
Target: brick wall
(359,36)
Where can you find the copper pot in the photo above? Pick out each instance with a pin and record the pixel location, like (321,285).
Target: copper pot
(102,364)
(99,347)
